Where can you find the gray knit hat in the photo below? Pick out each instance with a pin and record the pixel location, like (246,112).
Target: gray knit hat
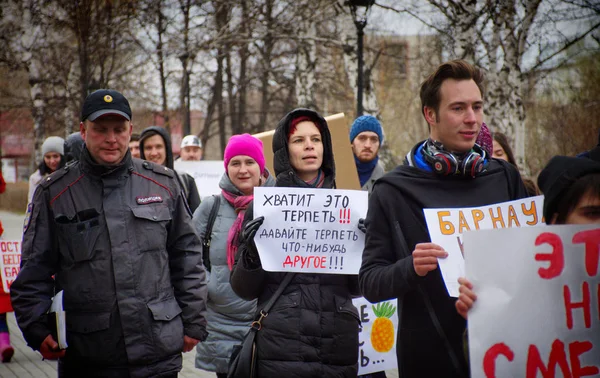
(53,144)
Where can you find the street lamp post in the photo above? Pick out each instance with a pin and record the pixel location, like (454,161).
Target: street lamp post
(360,20)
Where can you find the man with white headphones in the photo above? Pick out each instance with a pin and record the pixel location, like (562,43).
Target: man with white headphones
(399,260)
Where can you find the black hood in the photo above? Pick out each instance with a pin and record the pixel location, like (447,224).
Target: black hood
(73,146)
(154,130)
(558,176)
(284,173)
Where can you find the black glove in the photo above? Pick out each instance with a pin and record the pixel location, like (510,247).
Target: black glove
(250,229)
(250,256)
(361,225)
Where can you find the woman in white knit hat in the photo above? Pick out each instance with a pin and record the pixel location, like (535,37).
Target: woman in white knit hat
(53,151)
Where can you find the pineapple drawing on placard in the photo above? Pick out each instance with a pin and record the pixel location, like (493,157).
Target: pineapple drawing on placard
(382,332)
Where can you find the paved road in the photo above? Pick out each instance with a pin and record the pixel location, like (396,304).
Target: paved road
(27,363)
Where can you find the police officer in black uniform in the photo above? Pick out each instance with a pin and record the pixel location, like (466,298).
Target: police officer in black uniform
(115,234)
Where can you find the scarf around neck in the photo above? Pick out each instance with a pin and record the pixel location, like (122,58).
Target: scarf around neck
(240,204)
(365,170)
(318,181)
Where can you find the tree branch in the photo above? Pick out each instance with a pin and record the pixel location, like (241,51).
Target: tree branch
(566,46)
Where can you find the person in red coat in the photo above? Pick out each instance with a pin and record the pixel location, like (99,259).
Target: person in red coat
(6,350)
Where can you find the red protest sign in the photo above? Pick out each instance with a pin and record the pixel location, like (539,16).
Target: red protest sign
(10,262)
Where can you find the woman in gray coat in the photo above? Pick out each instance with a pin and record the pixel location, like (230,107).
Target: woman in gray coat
(228,315)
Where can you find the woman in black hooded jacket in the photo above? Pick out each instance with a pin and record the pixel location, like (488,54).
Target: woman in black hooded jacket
(312,330)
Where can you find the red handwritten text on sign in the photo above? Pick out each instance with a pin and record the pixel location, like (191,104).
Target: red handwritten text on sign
(562,358)
(10,262)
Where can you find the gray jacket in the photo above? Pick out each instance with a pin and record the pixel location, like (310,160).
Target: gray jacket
(120,243)
(378,172)
(228,315)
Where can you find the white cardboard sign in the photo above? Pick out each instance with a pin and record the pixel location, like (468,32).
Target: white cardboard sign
(206,173)
(10,262)
(537,312)
(310,230)
(446,227)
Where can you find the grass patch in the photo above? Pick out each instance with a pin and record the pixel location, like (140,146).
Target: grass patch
(14,199)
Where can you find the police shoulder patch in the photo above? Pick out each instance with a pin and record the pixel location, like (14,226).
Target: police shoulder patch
(53,177)
(27,219)
(160,169)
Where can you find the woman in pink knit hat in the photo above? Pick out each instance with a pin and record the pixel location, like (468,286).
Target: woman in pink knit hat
(228,315)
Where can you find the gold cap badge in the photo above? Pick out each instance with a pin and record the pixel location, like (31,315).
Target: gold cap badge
(108,98)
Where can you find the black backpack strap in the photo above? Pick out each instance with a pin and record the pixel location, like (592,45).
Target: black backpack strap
(432,315)
(265,310)
(208,232)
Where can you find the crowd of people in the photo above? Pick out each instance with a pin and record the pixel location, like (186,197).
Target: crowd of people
(148,271)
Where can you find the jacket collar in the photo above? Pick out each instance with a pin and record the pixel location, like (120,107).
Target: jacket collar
(89,165)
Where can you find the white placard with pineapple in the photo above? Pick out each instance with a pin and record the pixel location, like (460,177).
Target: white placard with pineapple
(377,339)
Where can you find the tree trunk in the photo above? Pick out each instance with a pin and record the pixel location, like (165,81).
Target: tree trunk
(38,107)
(306,63)
(266,58)
(465,17)
(31,30)
(243,54)
(231,100)
(506,108)
(212,104)
(220,103)
(82,18)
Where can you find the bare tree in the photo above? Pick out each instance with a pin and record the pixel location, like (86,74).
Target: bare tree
(306,55)
(32,43)
(151,36)
(499,36)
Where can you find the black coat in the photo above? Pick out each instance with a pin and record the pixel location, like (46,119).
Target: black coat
(312,330)
(395,225)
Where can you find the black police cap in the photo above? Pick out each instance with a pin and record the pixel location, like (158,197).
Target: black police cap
(103,102)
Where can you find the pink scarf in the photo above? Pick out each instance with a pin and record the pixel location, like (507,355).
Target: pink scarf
(240,204)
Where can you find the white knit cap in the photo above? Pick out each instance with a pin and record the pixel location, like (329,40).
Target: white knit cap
(53,144)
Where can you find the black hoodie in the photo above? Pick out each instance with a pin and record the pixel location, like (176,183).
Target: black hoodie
(430,328)
(186,181)
(314,319)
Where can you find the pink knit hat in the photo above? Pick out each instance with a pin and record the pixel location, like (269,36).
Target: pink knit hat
(484,139)
(245,144)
